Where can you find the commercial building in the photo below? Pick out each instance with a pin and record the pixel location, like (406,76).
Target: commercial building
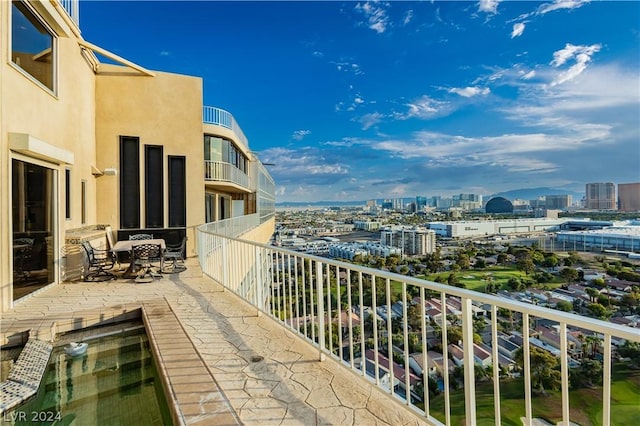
(366,225)
(600,196)
(558,202)
(623,237)
(463,229)
(412,241)
(629,197)
(86,145)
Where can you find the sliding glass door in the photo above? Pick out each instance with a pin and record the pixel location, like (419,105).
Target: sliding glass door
(33,206)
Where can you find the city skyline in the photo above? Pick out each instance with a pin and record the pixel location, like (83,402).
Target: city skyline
(362,100)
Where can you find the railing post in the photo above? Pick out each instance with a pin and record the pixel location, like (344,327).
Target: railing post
(469,362)
(259,280)
(320,312)
(225,264)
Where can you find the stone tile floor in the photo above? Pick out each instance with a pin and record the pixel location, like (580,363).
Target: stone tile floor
(263,372)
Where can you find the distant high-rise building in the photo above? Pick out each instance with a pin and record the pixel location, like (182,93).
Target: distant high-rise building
(387,204)
(421,203)
(371,203)
(558,202)
(600,196)
(629,197)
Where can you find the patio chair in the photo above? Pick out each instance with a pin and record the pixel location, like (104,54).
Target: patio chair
(22,254)
(144,255)
(173,258)
(141,237)
(99,263)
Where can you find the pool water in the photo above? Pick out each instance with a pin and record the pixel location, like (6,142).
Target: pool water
(114,383)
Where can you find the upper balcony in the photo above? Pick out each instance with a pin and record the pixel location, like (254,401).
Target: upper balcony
(220,117)
(72,7)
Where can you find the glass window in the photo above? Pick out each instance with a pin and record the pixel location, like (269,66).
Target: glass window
(32,44)
(67,193)
(212,148)
(83,201)
(33,207)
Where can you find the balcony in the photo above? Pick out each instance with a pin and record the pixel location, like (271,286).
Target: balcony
(347,313)
(221,172)
(220,117)
(280,349)
(73,10)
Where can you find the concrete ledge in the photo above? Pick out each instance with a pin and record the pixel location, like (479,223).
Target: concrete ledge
(192,393)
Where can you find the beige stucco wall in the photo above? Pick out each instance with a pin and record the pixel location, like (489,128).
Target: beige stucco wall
(162,110)
(261,234)
(64,119)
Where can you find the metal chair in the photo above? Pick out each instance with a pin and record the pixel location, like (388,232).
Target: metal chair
(174,255)
(22,254)
(144,255)
(99,263)
(141,237)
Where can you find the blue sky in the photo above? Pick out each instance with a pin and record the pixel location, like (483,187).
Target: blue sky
(355,100)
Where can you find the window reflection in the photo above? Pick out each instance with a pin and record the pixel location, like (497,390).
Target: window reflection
(32,45)
(33,223)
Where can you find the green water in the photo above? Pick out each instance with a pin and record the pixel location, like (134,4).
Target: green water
(114,383)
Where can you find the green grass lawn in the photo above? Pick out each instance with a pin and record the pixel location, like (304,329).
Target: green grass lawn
(585,404)
(474,279)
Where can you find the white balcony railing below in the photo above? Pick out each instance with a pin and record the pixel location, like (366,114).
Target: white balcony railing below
(367,320)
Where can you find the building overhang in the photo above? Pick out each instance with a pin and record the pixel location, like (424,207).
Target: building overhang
(34,147)
(225,186)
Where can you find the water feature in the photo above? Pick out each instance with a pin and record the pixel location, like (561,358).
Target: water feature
(115,382)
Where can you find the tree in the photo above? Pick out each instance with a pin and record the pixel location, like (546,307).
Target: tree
(526,265)
(516,284)
(544,369)
(598,311)
(564,305)
(569,274)
(631,350)
(480,263)
(550,261)
(592,293)
(463,261)
(501,259)
(593,342)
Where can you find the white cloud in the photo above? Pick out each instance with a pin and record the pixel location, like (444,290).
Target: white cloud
(164,53)
(349,67)
(318,54)
(407,17)
(304,164)
(488,6)
(369,120)
(518,29)
(560,4)
(376,15)
(529,75)
(581,54)
(300,134)
(423,107)
(469,92)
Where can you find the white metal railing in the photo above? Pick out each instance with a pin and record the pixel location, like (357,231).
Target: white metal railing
(232,227)
(73,9)
(332,304)
(220,117)
(225,172)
